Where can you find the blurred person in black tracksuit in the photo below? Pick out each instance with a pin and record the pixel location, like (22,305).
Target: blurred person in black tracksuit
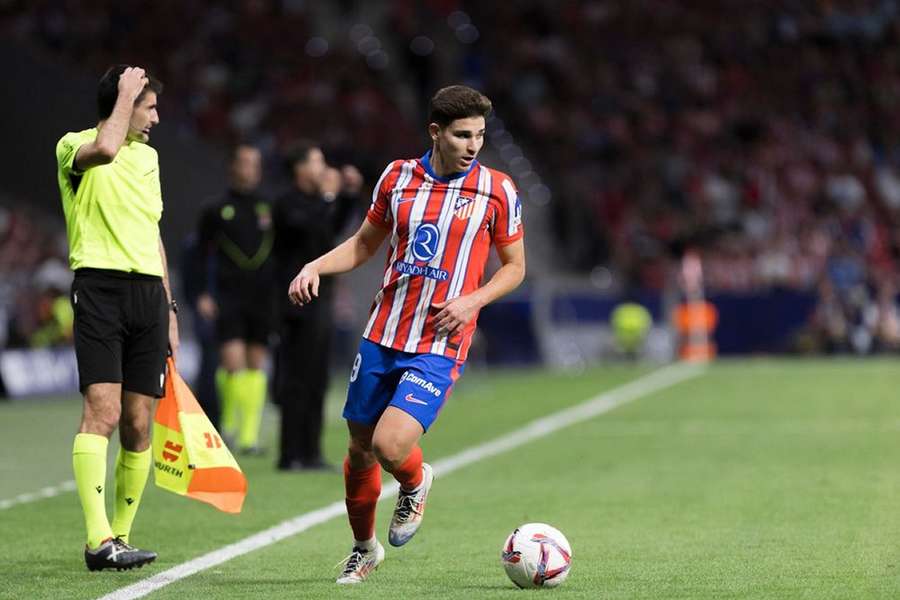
(237,233)
(307,219)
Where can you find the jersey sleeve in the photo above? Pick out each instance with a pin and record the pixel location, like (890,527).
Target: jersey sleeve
(379,213)
(508,221)
(66,149)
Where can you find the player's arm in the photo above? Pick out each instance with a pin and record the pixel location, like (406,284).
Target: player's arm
(356,250)
(455,313)
(173,316)
(206,232)
(112,134)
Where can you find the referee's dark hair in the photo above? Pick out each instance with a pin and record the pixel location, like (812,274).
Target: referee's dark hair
(108,89)
(297,152)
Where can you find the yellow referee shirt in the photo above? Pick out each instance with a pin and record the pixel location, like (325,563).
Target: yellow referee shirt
(112,211)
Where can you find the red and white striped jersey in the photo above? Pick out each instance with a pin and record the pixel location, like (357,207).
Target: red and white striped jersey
(441,233)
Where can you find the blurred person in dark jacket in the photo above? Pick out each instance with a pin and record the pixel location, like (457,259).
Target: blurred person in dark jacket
(307,219)
(196,264)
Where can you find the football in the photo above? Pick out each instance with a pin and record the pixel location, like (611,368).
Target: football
(536,555)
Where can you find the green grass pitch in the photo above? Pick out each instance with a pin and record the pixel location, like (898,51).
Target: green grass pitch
(757,479)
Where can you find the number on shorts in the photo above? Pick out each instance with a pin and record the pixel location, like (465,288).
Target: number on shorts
(354,373)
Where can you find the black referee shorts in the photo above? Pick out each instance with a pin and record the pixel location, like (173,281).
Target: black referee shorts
(121,330)
(245,317)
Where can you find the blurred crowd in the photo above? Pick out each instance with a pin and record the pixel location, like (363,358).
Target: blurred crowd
(763,134)
(34,280)
(244,69)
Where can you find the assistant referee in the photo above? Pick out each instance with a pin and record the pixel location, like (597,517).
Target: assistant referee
(124,312)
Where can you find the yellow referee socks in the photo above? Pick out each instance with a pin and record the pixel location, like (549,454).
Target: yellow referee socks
(132,469)
(253,400)
(89,464)
(229,394)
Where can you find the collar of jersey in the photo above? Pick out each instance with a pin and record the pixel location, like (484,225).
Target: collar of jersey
(426,163)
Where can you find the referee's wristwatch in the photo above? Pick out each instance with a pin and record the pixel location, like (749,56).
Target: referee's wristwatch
(173,306)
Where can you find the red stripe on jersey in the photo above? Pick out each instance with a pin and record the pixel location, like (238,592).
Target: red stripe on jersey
(415,287)
(389,289)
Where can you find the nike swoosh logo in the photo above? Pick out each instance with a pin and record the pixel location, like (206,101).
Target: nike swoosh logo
(414,400)
(405,200)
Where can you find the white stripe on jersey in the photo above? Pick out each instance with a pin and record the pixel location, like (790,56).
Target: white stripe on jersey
(402,284)
(445,222)
(406,174)
(512,219)
(402,181)
(377,187)
(465,248)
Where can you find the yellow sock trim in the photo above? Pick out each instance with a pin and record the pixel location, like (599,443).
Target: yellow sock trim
(89,465)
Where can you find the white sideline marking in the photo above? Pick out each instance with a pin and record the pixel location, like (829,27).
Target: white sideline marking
(648,384)
(47,492)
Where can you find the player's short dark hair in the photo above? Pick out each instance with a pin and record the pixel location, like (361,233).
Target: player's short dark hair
(108,89)
(457,102)
(298,152)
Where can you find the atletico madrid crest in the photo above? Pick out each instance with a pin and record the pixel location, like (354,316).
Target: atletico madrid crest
(464,207)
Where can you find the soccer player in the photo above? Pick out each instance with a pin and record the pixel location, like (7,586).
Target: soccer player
(237,231)
(124,313)
(442,212)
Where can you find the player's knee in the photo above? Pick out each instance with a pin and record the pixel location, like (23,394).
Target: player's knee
(361,454)
(389,451)
(135,435)
(99,421)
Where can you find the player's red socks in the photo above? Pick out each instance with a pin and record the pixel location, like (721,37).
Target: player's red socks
(409,474)
(363,488)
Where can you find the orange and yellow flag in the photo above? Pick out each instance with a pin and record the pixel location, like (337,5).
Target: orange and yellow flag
(189,456)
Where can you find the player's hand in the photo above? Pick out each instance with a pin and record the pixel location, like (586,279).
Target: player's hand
(455,314)
(305,286)
(352,180)
(174,341)
(132,82)
(207,307)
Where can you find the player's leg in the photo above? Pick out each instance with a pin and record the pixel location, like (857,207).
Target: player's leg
(317,370)
(229,379)
(367,396)
(362,478)
(132,469)
(144,352)
(362,481)
(396,445)
(255,386)
(102,407)
(133,461)
(424,386)
(289,387)
(98,333)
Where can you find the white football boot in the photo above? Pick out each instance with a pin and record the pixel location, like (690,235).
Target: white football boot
(410,509)
(360,563)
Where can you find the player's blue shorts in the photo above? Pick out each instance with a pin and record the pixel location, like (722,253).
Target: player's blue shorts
(417,384)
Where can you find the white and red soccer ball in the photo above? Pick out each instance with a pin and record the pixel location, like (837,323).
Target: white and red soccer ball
(536,555)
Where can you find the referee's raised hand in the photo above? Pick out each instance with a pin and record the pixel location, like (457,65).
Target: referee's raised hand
(132,82)
(305,286)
